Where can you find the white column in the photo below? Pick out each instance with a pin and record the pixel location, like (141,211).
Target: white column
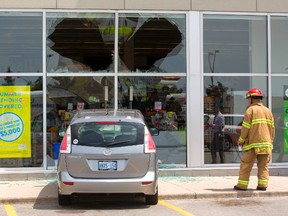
(195,143)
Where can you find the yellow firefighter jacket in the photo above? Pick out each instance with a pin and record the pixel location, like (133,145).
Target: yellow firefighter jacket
(257,129)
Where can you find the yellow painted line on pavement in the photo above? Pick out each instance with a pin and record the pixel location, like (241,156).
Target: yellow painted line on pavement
(175,208)
(10,210)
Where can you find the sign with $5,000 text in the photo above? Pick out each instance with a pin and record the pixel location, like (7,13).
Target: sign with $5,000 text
(15,129)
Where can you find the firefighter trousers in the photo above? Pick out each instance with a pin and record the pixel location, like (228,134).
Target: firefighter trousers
(247,162)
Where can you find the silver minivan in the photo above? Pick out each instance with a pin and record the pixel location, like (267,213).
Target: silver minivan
(108,152)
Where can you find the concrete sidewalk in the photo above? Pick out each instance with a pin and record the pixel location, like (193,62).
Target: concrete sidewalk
(180,187)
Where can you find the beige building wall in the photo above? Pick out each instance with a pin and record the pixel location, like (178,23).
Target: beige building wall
(91,4)
(29,4)
(158,4)
(272,5)
(177,5)
(225,5)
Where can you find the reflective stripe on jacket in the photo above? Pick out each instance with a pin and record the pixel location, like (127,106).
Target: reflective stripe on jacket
(257,129)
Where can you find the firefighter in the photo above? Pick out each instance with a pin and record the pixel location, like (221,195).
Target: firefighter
(256,139)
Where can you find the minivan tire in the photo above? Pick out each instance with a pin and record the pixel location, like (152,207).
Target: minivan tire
(151,199)
(64,199)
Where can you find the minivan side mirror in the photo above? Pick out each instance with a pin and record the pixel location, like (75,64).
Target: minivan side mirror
(154,131)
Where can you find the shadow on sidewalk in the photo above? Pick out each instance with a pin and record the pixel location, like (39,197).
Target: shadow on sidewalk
(47,197)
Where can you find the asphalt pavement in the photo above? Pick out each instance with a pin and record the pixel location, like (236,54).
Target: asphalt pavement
(170,187)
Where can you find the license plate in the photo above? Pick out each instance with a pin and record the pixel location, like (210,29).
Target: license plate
(107,165)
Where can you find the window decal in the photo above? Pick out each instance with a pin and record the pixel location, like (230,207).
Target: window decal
(15,129)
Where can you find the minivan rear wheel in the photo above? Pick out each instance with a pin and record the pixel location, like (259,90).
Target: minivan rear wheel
(151,199)
(64,199)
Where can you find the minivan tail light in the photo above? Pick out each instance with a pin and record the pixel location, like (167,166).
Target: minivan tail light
(147,183)
(68,183)
(150,146)
(66,142)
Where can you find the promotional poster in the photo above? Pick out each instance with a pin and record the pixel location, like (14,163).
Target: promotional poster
(15,124)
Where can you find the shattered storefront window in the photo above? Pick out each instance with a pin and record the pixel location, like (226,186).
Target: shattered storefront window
(84,42)
(80,42)
(154,43)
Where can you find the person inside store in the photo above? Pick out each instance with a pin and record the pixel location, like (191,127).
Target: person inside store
(256,139)
(218,135)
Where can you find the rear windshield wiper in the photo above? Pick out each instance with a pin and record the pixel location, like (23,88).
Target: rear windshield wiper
(89,144)
(119,142)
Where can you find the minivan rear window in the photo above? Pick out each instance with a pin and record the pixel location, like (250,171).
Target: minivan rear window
(99,134)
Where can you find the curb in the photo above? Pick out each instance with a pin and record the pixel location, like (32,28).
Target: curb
(239,194)
(28,200)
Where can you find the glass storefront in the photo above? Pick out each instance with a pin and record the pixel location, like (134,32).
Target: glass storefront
(279,93)
(21,106)
(235,44)
(280,111)
(20,42)
(228,95)
(279,46)
(147,43)
(132,60)
(162,101)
